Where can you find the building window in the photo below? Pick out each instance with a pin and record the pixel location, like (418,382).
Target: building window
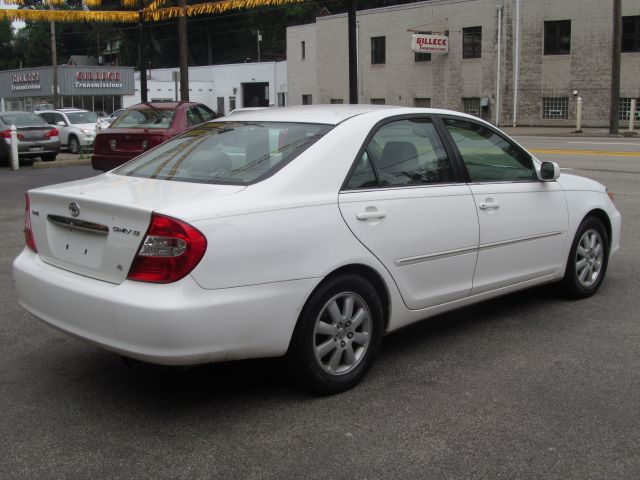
(555,108)
(303,49)
(378,101)
(378,50)
(307,100)
(336,101)
(631,34)
(422,102)
(471,106)
(557,37)
(625,109)
(232,104)
(472,42)
(282,99)
(422,57)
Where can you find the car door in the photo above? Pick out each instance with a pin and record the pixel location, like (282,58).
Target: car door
(523,221)
(62,129)
(405,201)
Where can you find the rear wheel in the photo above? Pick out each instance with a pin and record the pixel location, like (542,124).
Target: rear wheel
(338,335)
(588,259)
(49,157)
(74,144)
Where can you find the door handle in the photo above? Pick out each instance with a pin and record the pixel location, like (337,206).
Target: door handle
(488,204)
(370,215)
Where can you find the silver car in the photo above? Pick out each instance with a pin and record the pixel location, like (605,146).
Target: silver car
(77,127)
(35,137)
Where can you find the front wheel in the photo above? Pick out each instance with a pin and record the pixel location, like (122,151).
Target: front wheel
(338,335)
(588,259)
(74,144)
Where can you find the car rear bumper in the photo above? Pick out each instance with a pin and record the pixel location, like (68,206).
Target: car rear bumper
(108,162)
(172,324)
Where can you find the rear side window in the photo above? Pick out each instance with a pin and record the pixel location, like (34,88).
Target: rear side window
(237,153)
(403,153)
(82,117)
(146,118)
(487,156)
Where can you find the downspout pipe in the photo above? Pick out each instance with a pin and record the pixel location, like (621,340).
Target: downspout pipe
(499,61)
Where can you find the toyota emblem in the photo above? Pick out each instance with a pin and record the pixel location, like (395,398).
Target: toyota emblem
(74,209)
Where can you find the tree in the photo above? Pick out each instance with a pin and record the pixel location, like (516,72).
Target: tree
(7,59)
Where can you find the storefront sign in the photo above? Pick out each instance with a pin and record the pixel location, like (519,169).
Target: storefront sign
(429,43)
(98,79)
(25,81)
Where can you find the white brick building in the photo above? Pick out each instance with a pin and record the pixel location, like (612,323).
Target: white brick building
(565,47)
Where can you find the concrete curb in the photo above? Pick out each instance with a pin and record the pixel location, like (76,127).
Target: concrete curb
(63,162)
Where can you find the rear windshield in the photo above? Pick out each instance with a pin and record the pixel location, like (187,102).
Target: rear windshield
(82,117)
(147,118)
(237,153)
(22,119)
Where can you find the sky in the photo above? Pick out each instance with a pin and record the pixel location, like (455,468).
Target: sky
(16,25)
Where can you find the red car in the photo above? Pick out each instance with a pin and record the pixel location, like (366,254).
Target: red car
(143,126)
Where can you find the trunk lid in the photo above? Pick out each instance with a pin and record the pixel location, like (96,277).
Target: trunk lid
(34,133)
(94,227)
(128,142)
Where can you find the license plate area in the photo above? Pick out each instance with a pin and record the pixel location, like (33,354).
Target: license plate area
(38,148)
(76,246)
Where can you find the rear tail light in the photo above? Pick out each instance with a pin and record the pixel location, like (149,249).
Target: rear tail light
(171,249)
(610,195)
(29,241)
(112,144)
(52,133)
(7,134)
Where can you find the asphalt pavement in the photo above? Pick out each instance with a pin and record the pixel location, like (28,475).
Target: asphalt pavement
(528,386)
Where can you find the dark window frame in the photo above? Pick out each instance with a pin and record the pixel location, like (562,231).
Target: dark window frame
(472,42)
(555,34)
(630,34)
(420,57)
(379,50)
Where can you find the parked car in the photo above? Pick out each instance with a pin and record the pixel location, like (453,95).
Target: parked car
(142,127)
(77,127)
(35,137)
(106,120)
(307,232)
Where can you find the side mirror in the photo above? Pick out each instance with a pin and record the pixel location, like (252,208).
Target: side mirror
(549,171)
(61,124)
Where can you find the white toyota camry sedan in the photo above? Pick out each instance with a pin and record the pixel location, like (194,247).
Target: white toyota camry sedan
(306,232)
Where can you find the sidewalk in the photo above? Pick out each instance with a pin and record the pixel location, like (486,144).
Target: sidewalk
(561,132)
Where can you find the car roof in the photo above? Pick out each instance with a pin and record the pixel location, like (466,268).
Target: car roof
(328,114)
(62,110)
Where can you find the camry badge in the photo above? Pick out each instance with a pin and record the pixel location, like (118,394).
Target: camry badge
(74,209)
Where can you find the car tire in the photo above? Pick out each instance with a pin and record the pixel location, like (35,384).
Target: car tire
(74,144)
(338,335)
(588,259)
(50,157)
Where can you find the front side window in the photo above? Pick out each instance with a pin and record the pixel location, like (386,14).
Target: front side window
(145,118)
(472,42)
(557,37)
(206,113)
(631,34)
(236,153)
(487,156)
(402,153)
(378,50)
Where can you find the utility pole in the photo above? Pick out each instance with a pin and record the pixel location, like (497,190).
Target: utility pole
(614,109)
(258,40)
(142,56)
(54,62)
(183,52)
(353,54)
